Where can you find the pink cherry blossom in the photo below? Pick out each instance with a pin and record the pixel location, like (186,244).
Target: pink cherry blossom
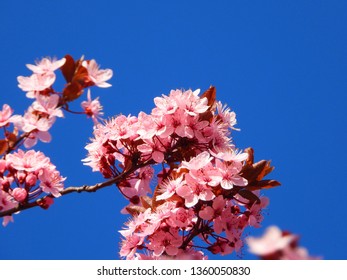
(6,202)
(230,174)
(192,192)
(36,83)
(255,216)
(167,242)
(48,105)
(51,182)
(198,162)
(46,65)
(29,161)
(182,218)
(272,241)
(19,194)
(209,213)
(153,148)
(92,108)
(130,245)
(228,118)
(98,77)
(168,188)
(5,115)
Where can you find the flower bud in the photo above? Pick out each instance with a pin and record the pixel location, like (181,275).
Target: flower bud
(30,180)
(19,194)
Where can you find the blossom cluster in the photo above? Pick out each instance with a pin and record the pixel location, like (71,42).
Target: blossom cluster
(278,245)
(25,175)
(207,192)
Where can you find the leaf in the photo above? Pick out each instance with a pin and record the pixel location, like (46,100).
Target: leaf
(72,91)
(250,159)
(135,210)
(81,75)
(256,171)
(210,94)
(264,184)
(3,146)
(146,201)
(249,196)
(155,202)
(68,69)
(45,202)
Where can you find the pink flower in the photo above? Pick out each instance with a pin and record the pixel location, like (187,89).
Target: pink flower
(5,115)
(227,117)
(6,203)
(182,218)
(98,77)
(192,192)
(169,187)
(51,182)
(198,162)
(92,108)
(36,83)
(230,174)
(153,148)
(48,105)
(29,161)
(19,194)
(209,213)
(130,245)
(255,215)
(34,124)
(272,241)
(168,242)
(46,65)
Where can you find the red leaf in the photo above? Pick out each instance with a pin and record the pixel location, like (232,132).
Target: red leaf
(3,146)
(68,69)
(72,91)
(146,201)
(210,94)
(264,184)
(249,196)
(135,210)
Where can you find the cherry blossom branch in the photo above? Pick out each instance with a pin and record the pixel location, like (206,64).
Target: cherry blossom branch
(72,189)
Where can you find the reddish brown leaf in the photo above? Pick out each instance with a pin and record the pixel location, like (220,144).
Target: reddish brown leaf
(249,196)
(68,69)
(210,94)
(250,159)
(72,91)
(135,210)
(264,184)
(81,75)
(46,202)
(146,201)
(155,202)
(3,146)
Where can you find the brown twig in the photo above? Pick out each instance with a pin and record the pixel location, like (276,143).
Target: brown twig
(84,188)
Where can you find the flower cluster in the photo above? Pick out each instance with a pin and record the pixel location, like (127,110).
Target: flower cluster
(24,176)
(278,245)
(206,188)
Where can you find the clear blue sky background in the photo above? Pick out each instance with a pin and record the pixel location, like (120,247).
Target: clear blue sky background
(281,65)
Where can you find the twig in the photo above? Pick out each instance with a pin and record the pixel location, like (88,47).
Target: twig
(84,188)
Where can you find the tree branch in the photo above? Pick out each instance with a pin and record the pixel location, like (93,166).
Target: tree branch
(84,188)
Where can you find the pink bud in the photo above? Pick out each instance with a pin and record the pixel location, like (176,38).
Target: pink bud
(2,165)
(19,194)
(21,176)
(31,179)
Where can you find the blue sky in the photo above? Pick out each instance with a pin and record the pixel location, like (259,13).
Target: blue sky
(281,65)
